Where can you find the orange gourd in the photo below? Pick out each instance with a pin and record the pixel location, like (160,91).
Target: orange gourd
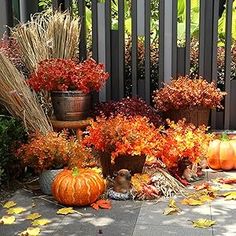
(77,187)
(222,154)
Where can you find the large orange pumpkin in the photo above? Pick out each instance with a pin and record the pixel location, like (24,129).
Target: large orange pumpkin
(77,187)
(222,154)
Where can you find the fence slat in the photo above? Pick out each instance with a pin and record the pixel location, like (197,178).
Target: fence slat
(108,45)
(161,42)
(187,37)
(68,4)
(83,39)
(147,49)
(6,17)
(201,37)
(95,29)
(121,35)
(214,55)
(228,39)
(134,47)
(174,38)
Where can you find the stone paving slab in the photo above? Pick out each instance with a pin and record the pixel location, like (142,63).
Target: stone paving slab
(120,220)
(126,218)
(154,230)
(153,215)
(44,207)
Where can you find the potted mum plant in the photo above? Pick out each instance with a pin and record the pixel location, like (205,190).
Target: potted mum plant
(70,85)
(49,154)
(189,98)
(122,142)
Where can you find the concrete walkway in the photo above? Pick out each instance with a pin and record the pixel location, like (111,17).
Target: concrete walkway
(127,218)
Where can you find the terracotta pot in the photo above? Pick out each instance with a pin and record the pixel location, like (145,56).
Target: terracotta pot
(197,116)
(133,163)
(45,180)
(71,105)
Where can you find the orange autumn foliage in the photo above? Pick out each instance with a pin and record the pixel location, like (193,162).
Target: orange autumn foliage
(182,140)
(122,135)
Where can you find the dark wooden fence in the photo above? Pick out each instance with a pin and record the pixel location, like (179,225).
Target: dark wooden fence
(109,46)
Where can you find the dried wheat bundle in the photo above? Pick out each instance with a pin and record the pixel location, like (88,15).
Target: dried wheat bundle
(48,35)
(63,33)
(17,97)
(32,41)
(167,184)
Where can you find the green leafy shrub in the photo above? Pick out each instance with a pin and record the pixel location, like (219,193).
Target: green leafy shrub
(12,133)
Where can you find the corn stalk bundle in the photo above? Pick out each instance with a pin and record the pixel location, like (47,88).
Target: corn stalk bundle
(19,100)
(48,35)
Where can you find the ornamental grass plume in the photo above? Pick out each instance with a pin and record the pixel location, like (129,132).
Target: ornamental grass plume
(186,92)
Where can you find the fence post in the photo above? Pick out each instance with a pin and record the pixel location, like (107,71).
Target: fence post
(27,8)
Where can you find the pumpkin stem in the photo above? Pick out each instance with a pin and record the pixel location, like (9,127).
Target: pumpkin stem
(224,137)
(75,171)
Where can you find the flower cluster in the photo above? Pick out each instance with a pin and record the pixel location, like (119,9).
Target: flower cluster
(185,92)
(129,107)
(121,135)
(53,150)
(65,74)
(183,141)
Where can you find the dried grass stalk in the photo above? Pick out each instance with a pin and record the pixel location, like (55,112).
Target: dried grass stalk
(20,101)
(48,35)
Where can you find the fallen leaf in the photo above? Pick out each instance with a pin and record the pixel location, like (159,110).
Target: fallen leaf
(171,210)
(104,204)
(227,180)
(203,223)
(66,211)
(191,202)
(205,198)
(31,231)
(9,204)
(16,210)
(95,206)
(202,186)
(33,216)
(172,203)
(7,220)
(41,222)
(230,196)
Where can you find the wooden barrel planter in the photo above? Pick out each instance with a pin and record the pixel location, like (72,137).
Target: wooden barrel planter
(134,164)
(71,105)
(197,116)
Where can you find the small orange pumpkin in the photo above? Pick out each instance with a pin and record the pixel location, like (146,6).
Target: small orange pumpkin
(77,187)
(222,154)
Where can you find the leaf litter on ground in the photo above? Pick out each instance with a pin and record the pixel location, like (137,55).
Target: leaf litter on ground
(203,223)
(9,204)
(16,210)
(172,208)
(7,220)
